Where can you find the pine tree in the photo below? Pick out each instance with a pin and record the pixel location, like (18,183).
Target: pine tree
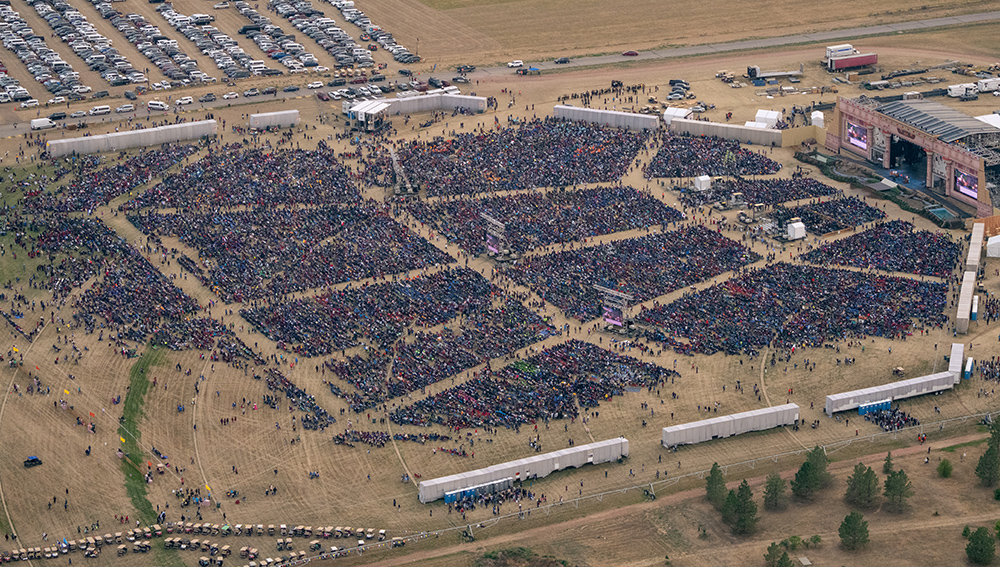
(853,531)
(715,487)
(804,483)
(897,489)
(887,464)
(746,511)
(981,547)
(774,492)
(773,554)
(819,462)
(995,433)
(988,469)
(862,487)
(945,468)
(731,509)
(785,561)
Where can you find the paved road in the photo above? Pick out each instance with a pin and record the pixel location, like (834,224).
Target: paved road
(708,49)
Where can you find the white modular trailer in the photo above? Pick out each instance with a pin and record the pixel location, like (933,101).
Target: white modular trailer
(614,118)
(988,85)
(955,361)
(975,247)
(839,50)
(132,139)
(280,119)
(964,312)
(892,392)
(737,132)
(537,466)
(729,425)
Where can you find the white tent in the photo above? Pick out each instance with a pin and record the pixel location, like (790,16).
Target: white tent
(796,230)
(818,119)
(992,119)
(133,139)
(769,117)
(993,247)
(702,183)
(672,112)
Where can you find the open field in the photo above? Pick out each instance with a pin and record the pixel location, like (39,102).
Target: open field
(361,486)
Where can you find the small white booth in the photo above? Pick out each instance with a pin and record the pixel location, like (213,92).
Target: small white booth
(796,230)
(702,183)
(993,247)
(769,117)
(818,119)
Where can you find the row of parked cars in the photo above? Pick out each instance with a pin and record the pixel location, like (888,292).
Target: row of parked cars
(280,45)
(96,50)
(161,51)
(314,24)
(45,64)
(224,50)
(374,32)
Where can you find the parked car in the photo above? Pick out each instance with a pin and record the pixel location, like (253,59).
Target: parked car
(184,100)
(125,108)
(32,462)
(315,85)
(230,95)
(78,114)
(57,116)
(270,91)
(251,92)
(221,5)
(466,68)
(630,53)
(207,98)
(409,73)
(101,94)
(292,88)
(130,95)
(562,61)
(516,63)
(322,96)
(57,100)
(30,103)
(459,79)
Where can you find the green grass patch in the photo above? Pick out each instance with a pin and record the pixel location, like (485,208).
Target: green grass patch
(132,414)
(952,448)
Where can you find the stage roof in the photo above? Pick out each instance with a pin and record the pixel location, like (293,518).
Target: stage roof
(946,123)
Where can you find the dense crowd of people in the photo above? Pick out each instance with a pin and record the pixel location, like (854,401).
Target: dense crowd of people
(824,217)
(763,191)
(265,252)
(235,176)
(644,267)
(892,419)
(553,384)
(96,180)
(786,305)
(686,156)
(314,417)
(547,152)
(539,219)
(893,246)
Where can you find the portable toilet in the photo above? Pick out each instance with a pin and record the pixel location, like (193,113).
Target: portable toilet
(970,364)
(975,308)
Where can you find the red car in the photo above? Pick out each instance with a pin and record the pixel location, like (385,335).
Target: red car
(630,53)
(322,96)
(359,80)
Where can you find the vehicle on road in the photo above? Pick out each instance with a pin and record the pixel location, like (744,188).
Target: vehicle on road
(230,95)
(101,94)
(315,85)
(290,89)
(30,103)
(251,92)
(125,108)
(562,61)
(630,53)
(516,63)
(184,100)
(466,68)
(78,114)
(207,98)
(221,5)
(100,110)
(57,116)
(406,72)
(42,124)
(130,95)
(57,100)
(322,96)
(459,79)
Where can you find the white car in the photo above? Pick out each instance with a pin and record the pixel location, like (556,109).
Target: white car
(996,93)
(230,95)
(315,85)
(517,63)
(221,5)
(125,108)
(78,114)
(57,100)
(80,89)
(320,69)
(184,100)
(29,103)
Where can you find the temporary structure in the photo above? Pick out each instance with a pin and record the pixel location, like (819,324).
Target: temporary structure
(524,469)
(975,247)
(728,425)
(993,247)
(796,230)
(278,119)
(672,112)
(132,139)
(965,302)
(629,120)
(894,391)
(955,361)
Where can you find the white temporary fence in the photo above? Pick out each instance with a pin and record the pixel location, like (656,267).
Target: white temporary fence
(894,391)
(614,118)
(955,361)
(728,425)
(975,247)
(736,132)
(132,139)
(411,104)
(281,119)
(537,466)
(964,312)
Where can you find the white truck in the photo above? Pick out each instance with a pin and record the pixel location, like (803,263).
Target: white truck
(833,51)
(988,85)
(957,91)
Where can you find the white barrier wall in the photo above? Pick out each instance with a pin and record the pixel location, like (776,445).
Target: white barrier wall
(728,425)
(629,120)
(735,132)
(955,360)
(965,302)
(532,467)
(892,392)
(430,102)
(132,139)
(975,247)
(279,119)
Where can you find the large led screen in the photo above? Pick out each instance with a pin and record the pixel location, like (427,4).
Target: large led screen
(857,135)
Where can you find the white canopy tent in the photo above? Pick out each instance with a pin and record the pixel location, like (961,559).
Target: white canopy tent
(769,117)
(993,247)
(672,112)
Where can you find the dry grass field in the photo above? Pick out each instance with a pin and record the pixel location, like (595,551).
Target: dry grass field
(358,486)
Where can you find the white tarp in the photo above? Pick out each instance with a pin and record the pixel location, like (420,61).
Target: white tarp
(537,466)
(614,118)
(729,425)
(278,119)
(993,247)
(132,139)
(894,391)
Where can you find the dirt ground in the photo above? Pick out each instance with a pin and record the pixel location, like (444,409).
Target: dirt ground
(210,454)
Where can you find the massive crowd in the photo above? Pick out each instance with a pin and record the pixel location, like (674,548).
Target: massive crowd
(551,385)
(893,247)
(538,153)
(538,219)
(786,305)
(763,191)
(235,176)
(96,182)
(824,217)
(684,156)
(644,267)
(265,252)
(891,419)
